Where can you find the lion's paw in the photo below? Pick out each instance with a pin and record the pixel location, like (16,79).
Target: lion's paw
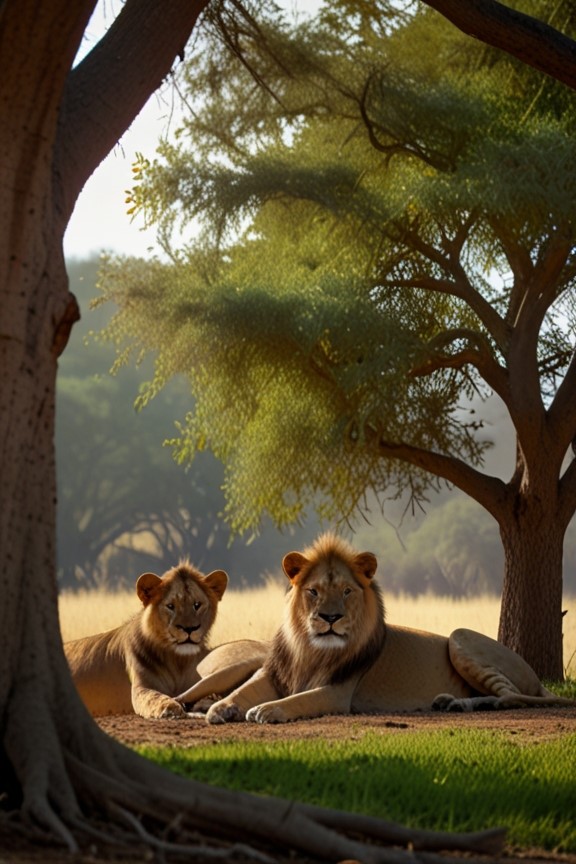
(202,706)
(223,712)
(266,713)
(169,709)
(447,702)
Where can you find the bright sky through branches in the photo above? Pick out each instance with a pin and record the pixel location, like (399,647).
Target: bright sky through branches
(100,222)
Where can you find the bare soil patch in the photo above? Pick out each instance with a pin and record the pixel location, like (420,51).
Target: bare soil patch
(531,723)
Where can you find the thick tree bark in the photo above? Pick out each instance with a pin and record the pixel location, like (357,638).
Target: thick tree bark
(62,778)
(531,607)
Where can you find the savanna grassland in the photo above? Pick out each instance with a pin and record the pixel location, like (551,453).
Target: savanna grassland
(255,613)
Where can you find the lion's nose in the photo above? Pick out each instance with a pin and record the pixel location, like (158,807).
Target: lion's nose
(330,618)
(187,630)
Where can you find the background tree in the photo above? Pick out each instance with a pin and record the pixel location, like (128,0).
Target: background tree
(388,232)
(61,777)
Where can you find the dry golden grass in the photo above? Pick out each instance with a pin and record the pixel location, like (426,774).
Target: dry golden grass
(255,613)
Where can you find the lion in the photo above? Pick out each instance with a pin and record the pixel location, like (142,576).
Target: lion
(334,654)
(141,666)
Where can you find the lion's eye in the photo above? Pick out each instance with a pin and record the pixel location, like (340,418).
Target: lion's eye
(170,606)
(197,605)
(347,591)
(312,592)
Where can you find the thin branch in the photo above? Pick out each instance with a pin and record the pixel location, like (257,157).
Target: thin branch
(480,357)
(195,852)
(435,160)
(461,289)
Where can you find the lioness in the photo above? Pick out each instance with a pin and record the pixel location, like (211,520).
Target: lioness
(334,654)
(142,665)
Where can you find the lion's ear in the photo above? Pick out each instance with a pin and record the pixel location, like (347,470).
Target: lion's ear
(366,564)
(146,585)
(217,581)
(293,564)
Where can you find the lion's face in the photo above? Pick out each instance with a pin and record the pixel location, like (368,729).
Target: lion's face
(333,601)
(180,607)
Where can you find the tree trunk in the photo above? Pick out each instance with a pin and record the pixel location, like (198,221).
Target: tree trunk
(531,607)
(61,778)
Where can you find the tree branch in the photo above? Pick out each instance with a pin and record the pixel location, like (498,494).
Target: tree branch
(490,492)
(461,289)
(562,411)
(108,89)
(480,357)
(532,41)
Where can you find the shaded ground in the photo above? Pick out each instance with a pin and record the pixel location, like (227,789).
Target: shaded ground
(532,725)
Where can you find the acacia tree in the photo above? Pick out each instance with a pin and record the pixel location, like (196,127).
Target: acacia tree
(61,778)
(406,200)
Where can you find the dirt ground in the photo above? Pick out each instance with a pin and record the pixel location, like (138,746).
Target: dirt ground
(530,725)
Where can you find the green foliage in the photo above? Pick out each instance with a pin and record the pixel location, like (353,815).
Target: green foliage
(124,505)
(364,226)
(446,780)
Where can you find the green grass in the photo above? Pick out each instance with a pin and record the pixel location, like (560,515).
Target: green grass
(455,781)
(566,688)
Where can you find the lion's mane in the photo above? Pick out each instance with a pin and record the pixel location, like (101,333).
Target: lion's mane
(295,663)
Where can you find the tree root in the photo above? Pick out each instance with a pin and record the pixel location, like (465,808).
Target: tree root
(96,791)
(220,853)
(166,813)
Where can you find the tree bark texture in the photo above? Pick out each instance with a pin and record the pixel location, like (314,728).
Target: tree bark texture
(528,39)
(531,607)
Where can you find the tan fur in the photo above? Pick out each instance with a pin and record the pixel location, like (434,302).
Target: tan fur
(141,666)
(334,655)
(223,669)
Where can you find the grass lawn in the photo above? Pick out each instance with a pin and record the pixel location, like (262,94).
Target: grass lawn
(444,780)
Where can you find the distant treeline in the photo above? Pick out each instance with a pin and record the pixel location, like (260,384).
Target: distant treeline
(125,506)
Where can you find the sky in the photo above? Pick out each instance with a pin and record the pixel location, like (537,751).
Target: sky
(100,222)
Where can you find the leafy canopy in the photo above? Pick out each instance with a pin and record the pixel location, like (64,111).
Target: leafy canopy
(369,192)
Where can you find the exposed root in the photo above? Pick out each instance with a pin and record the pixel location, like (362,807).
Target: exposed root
(167,814)
(212,853)
(44,815)
(87,788)
(489,842)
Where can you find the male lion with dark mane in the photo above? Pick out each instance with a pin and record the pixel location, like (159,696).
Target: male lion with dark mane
(142,665)
(335,655)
